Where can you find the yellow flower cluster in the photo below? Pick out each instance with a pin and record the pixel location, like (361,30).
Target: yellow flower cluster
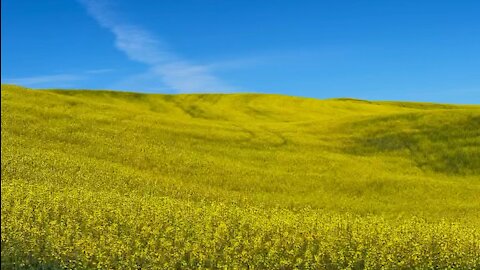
(105,180)
(75,228)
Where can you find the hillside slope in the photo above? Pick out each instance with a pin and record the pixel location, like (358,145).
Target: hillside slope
(134,166)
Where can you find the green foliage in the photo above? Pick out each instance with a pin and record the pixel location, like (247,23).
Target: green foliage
(112,180)
(444,141)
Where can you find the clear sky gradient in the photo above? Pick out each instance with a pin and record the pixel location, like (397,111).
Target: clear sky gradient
(380,50)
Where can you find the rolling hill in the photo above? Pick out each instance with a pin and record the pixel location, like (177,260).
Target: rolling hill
(105,179)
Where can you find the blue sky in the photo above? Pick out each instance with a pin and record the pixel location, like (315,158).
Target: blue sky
(381,50)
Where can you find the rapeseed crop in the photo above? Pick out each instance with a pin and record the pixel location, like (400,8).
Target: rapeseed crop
(112,180)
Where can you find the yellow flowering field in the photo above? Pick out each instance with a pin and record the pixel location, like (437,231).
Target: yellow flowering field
(116,180)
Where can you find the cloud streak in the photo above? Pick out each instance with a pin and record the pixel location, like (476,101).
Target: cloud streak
(44,79)
(164,65)
(57,80)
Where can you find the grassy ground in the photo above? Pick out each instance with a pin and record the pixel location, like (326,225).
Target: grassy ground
(112,180)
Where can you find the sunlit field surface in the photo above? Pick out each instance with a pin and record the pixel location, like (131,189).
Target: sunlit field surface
(115,180)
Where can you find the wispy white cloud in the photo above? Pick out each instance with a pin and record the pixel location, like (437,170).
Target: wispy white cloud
(43,79)
(57,80)
(142,46)
(275,58)
(148,82)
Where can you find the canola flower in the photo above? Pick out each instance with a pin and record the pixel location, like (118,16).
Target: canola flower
(105,180)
